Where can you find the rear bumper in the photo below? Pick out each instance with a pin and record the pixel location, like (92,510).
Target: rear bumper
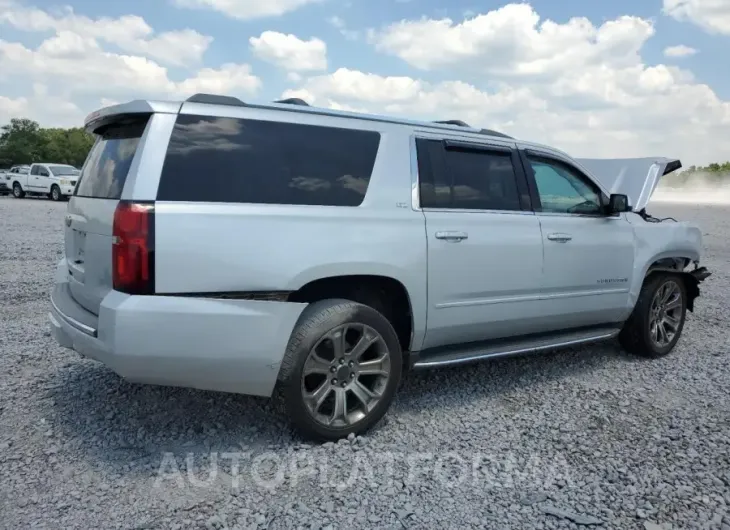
(208,344)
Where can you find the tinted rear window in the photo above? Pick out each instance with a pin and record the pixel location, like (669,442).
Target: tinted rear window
(466,178)
(250,161)
(106,168)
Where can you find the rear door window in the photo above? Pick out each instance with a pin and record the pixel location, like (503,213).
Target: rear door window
(213,159)
(469,177)
(107,165)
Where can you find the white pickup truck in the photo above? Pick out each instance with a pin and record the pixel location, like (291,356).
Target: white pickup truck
(8,177)
(56,181)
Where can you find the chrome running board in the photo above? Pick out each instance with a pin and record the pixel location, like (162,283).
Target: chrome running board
(466,353)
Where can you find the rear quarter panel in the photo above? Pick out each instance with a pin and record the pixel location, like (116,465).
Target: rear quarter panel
(229,247)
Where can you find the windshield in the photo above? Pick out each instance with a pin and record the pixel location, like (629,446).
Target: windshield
(64,170)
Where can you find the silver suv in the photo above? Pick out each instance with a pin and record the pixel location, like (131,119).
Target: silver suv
(315,255)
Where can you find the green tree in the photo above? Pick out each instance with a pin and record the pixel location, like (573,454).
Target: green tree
(23,141)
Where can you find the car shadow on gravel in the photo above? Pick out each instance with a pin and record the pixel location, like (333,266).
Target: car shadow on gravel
(451,386)
(129,426)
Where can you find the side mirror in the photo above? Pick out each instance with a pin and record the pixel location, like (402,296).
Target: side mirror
(618,204)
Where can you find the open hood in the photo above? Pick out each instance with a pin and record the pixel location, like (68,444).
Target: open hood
(637,178)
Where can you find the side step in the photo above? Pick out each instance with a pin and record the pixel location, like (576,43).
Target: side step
(477,351)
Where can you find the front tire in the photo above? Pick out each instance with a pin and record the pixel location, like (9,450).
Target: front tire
(341,370)
(657,321)
(18,192)
(55,194)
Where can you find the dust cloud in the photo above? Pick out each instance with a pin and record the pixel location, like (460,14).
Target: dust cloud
(698,189)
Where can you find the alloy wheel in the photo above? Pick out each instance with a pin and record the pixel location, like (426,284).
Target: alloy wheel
(345,375)
(665,313)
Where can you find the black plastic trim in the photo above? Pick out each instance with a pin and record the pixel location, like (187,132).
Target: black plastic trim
(471,146)
(213,99)
(454,122)
(672,166)
(293,101)
(258,296)
(491,132)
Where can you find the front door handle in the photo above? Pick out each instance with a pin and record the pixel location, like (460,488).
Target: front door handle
(560,238)
(452,236)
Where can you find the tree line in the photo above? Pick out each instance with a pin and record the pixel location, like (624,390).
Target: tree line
(23,141)
(712,175)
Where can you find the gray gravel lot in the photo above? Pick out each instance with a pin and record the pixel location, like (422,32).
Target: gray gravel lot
(588,436)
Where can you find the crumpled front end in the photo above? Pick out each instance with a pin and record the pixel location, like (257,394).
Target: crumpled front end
(668,246)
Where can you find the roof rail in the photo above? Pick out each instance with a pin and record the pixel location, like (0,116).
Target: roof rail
(214,99)
(490,132)
(293,101)
(454,122)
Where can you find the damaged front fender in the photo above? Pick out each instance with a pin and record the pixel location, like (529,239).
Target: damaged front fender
(692,280)
(666,247)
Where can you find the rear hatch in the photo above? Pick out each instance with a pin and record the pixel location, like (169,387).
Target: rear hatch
(90,215)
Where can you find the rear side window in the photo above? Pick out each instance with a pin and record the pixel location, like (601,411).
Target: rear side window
(107,165)
(469,178)
(212,159)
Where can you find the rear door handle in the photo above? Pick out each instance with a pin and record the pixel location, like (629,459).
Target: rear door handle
(452,236)
(560,238)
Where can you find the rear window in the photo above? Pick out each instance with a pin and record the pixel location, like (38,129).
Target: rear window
(106,168)
(213,159)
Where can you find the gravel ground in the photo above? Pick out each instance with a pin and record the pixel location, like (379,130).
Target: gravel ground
(588,436)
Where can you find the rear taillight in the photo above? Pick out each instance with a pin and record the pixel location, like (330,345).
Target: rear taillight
(133,264)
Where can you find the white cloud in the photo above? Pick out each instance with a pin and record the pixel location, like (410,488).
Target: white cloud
(638,111)
(80,66)
(290,52)
(227,79)
(679,51)
(336,22)
(129,32)
(246,9)
(578,86)
(511,40)
(711,15)
(341,26)
(10,107)
(40,107)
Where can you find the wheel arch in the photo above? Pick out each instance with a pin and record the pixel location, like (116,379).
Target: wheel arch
(383,292)
(677,264)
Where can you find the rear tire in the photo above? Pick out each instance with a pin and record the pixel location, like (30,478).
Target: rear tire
(55,194)
(657,321)
(330,389)
(18,192)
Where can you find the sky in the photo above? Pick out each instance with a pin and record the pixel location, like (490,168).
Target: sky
(620,79)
